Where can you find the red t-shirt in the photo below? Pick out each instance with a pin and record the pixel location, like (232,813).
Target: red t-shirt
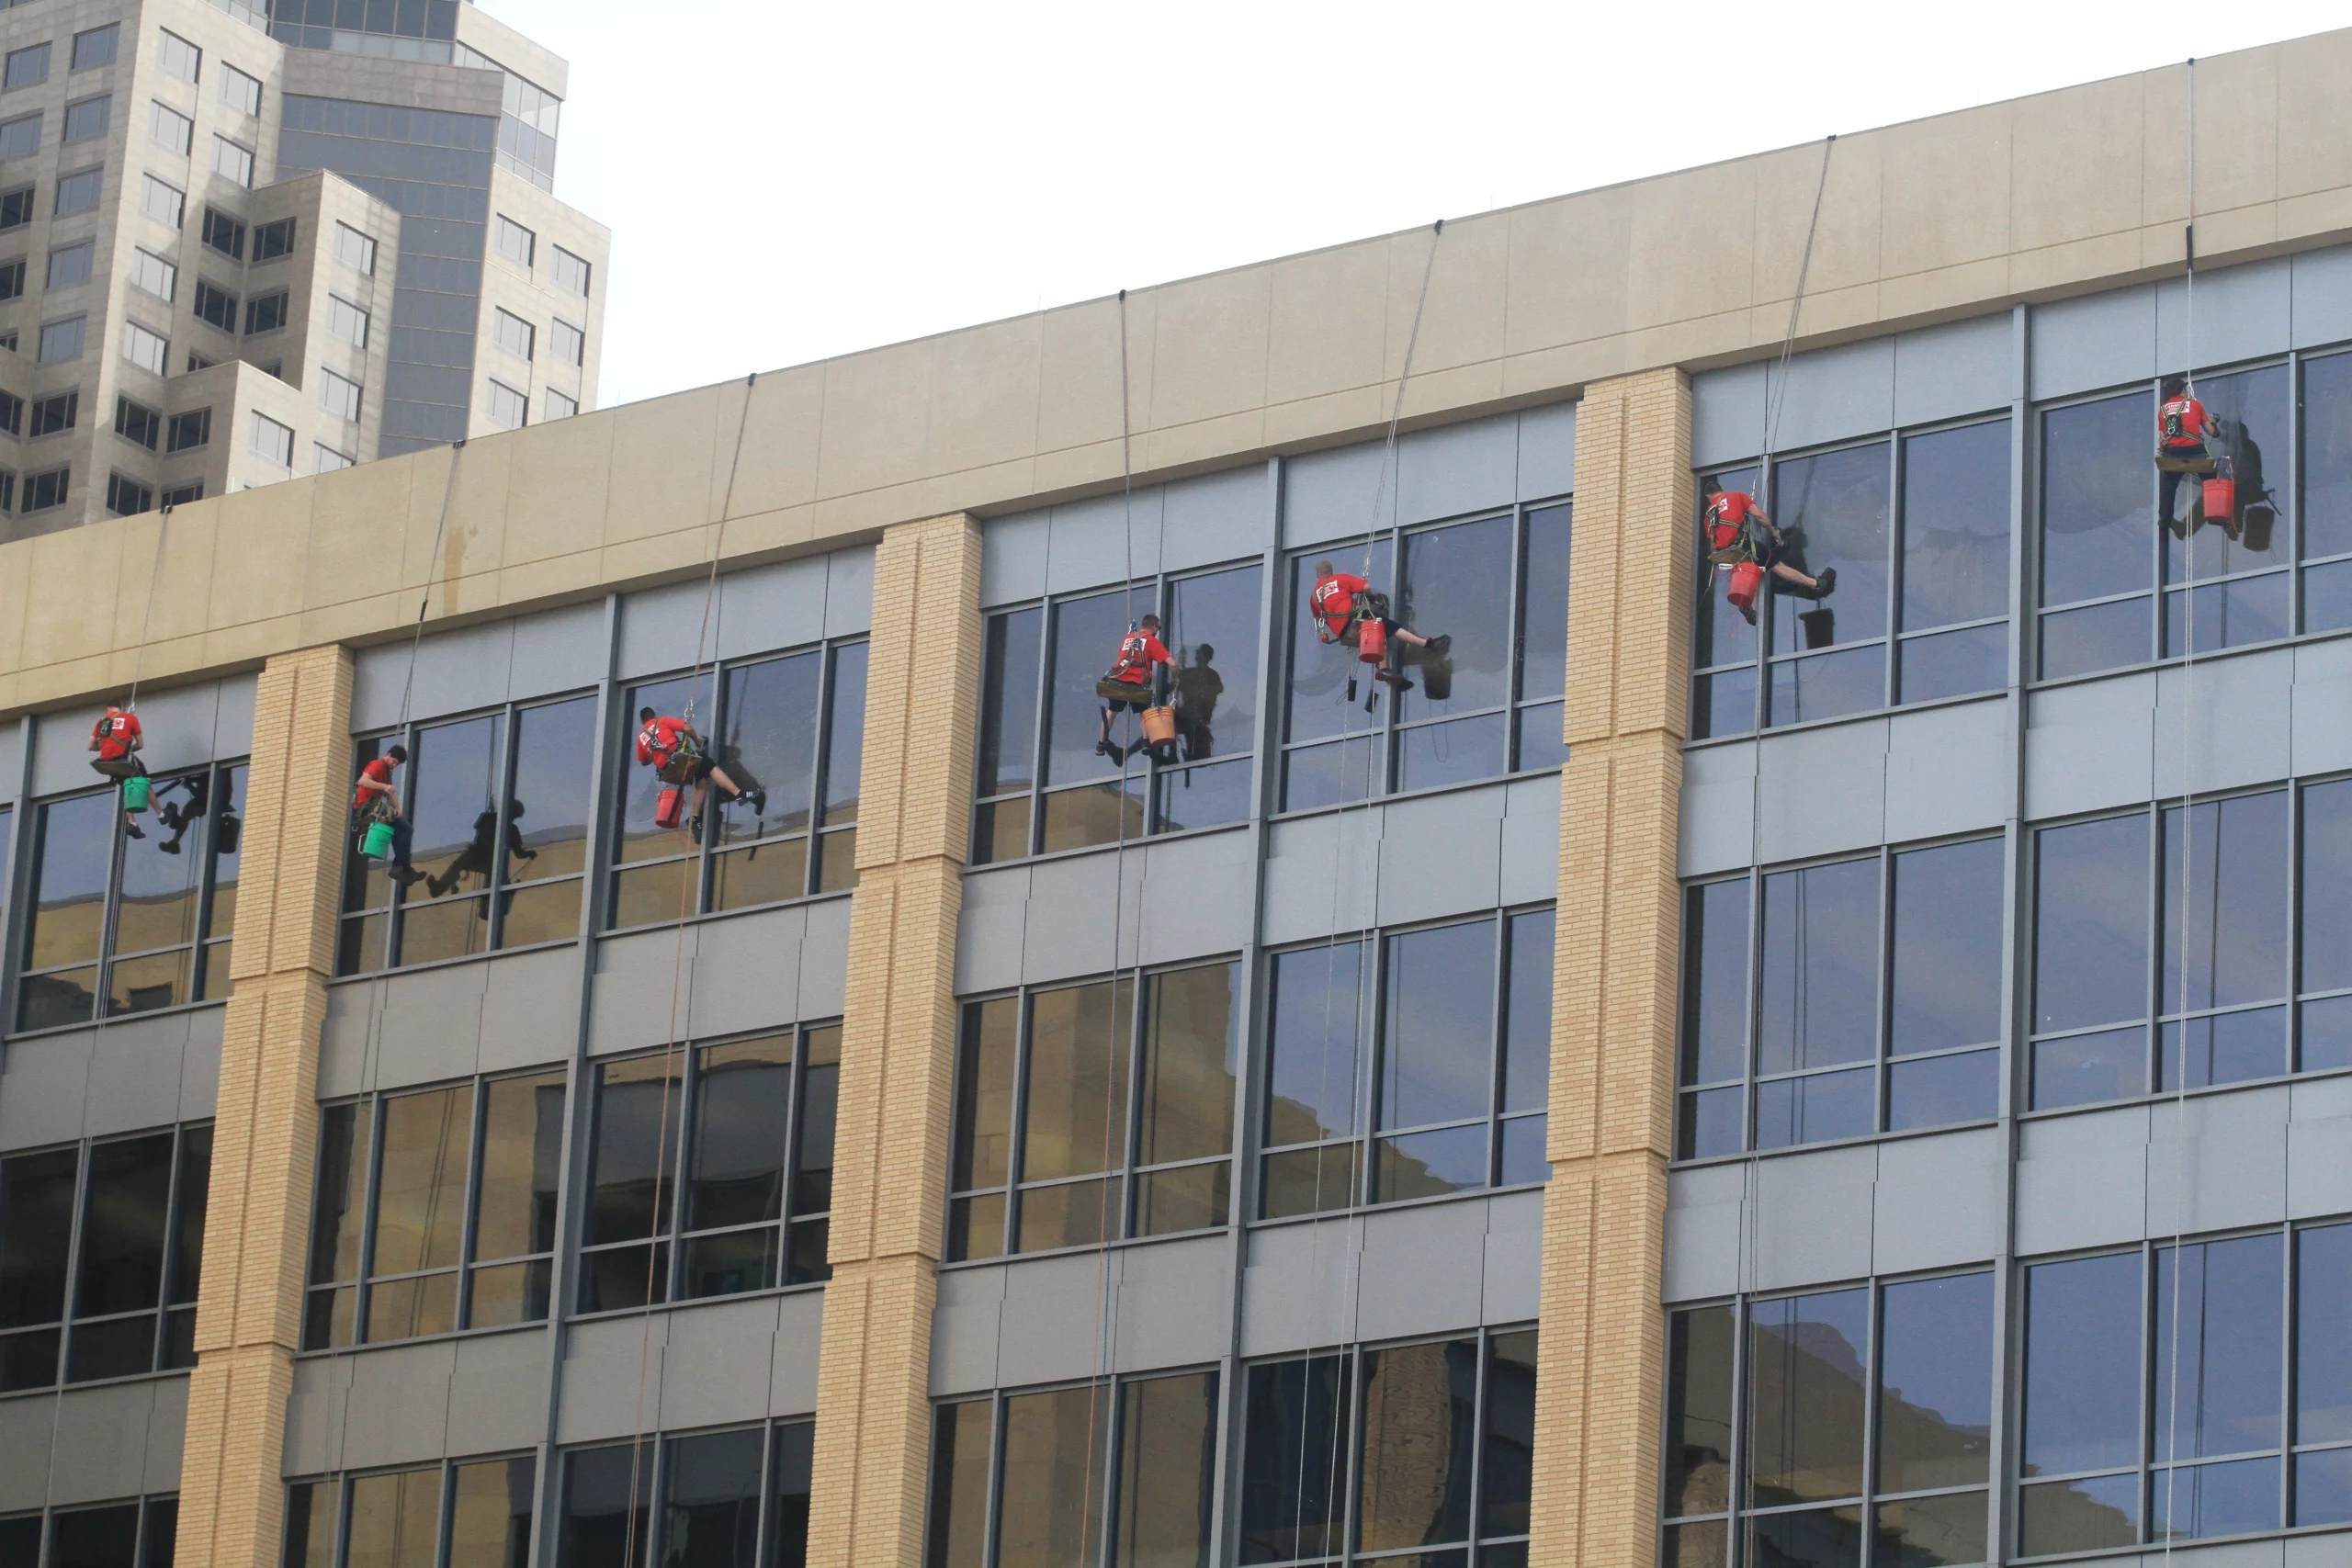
(657,743)
(1335,599)
(1726,514)
(2181,423)
(116,734)
(378,774)
(1138,653)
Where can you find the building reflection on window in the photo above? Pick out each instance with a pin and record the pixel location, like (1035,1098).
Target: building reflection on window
(730,1499)
(393,1519)
(139,1531)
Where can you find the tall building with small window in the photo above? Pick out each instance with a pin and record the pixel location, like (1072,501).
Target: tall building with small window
(240,243)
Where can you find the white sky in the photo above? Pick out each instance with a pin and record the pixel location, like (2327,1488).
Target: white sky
(874,172)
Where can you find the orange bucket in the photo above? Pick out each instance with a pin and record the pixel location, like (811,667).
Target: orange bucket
(1372,641)
(2220,499)
(1159,726)
(1747,581)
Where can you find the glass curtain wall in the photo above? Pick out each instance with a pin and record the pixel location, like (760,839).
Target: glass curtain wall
(468,1513)
(140,1532)
(731,1499)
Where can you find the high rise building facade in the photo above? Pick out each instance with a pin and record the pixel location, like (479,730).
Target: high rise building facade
(238,249)
(1860,1088)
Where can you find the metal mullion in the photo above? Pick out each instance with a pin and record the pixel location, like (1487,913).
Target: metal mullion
(1883,1059)
(785,1208)
(1384,740)
(510,756)
(1017,1125)
(1349,1421)
(1497,1025)
(2151,991)
(655,1472)
(475,1155)
(993,1495)
(1895,532)
(1753,996)
(446,1513)
(2149,1352)
(215,787)
(2290,1273)
(1042,738)
(1106,1530)
(374,1105)
(1372,968)
(819,779)
(1482,1347)
(2295,497)
(396,909)
(1513,679)
(1874,1373)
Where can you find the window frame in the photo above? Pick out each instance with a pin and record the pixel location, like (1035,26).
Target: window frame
(239,158)
(655,1482)
(337,1488)
(497,410)
(158,1511)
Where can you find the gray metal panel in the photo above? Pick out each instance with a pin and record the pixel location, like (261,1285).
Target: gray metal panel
(769,608)
(60,758)
(179,725)
(428,1025)
(314,1415)
(659,628)
(347,1044)
(988,929)
(1718,809)
(100,1449)
(824,960)
(1090,539)
(630,1005)
(1298,1287)
(1944,372)
(2322,713)
(1530,843)
(849,592)
(1216,517)
(530,1008)
(1172,1303)
(1422,1268)
(1192,900)
(964,1329)
(717,1371)
(1440,855)
(27,1430)
(1705,1221)
(747,971)
(498,1392)
(2229,1169)
(2091,746)
(375,677)
(232,719)
(136,1068)
(2082,1181)
(200,1065)
(1330,495)
(1049,1329)
(2237,713)
(1835,393)
(1726,414)
(399,1403)
(1813,1217)
(1940,1200)
(1820,791)
(2322,306)
(2330,1551)
(1513,1285)
(560,650)
(1069,921)
(2242,313)
(2319,1148)
(459,671)
(1012,557)
(1949,770)
(604,1360)
(44,1087)
(2100,340)
(12,761)
(1456,468)
(1319,870)
(799,1331)
(1547,451)
(167,1435)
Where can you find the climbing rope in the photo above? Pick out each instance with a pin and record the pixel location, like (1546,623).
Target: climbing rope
(154,575)
(690,877)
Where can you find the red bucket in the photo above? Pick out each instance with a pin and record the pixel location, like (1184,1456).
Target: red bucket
(1747,581)
(1372,641)
(670,806)
(2220,499)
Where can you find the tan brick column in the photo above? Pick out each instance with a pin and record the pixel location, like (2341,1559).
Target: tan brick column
(898,1048)
(1602,1373)
(249,1312)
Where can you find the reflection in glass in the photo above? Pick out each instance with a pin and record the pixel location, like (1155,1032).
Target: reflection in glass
(1931,1532)
(1435,1064)
(1714,981)
(1723,705)
(420,1197)
(1935,1421)
(1166,1471)
(2225,1350)
(395,1520)
(1827,685)
(1191,1054)
(2322,1353)
(1008,737)
(490,1514)
(2251,408)
(984,1080)
(1812,1538)
(2228,1047)
(126,1194)
(961,1435)
(2225,911)
(94,1538)
(1815,1108)
(2326,886)
(2083,1365)
(70,884)
(1699,1411)
(156,904)
(1419,1423)
(637,1137)
(1295,1467)
(2097,506)
(1805,1389)
(1721,633)
(742,1105)
(1527,1021)
(1832,509)
(2237,1498)
(1075,1110)
(1049,1509)
(1431,756)
(711,1517)
(1457,580)
(1087,633)
(2091,929)
(1936,1091)
(2079,1516)
(1954,664)
(1819,1004)
(2083,1069)
(769,747)
(846,736)
(1320,671)
(452,800)
(1332,775)
(2327,456)
(1955,526)
(554,756)
(2097,637)
(1318,1020)
(1947,961)
(1213,633)
(1432,1165)
(604,1513)
(2227,615)
(639,838)
(1544,604)
(1207,795)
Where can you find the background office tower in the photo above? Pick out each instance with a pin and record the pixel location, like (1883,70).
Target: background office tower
(240,243)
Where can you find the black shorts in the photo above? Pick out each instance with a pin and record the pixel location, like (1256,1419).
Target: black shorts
(1136,703)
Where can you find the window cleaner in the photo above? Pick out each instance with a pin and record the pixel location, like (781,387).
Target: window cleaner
(1350,611)
(2184,428)
(673,748)
(1739,535)
(117,738)
(1133,685)
(385,834)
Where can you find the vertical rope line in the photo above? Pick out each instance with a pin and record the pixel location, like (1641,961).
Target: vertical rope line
(154,575)
(1776,392)
(424,599)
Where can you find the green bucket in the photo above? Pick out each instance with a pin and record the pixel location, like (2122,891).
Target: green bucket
(135,791)
(378,844)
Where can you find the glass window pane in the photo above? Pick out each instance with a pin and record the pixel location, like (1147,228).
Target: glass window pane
(395,1520)
(1806,1397)
(1721,635)
(1714,981)
(1936,1091)
(157,905)
(1928,1531)
(769,746)
(187,1233)
(2322,1351)
(1458,581)
(1816,1537)
(1820,994)
(1431,1165)
(2226,903)
(310,1524)
(604,1513)
(1166,1471)
(1008,740)
(984,1093)
(1086,643)
(2095,513)
(1437,1050)
(344,1132)
(1699,1411)
(36,1228)
(555,763)
(1956,525)
(1320,1010)
(2226,1348)
(812,1156)
(1213,633)
(1833,509)
(1954,664)
(1320,671)
(789,1518)
(522,1149)
(2099,636)
(97,1538)
(630,1180)
(846,735)
(1075,1105)
(2083,1367)
(2228,614)
(2083,1069)
(1431,756)
(2090,953)
(1815,1108)
(490,1514)
(2214,1499)
(1544,604)
(711,1518)
(1420,1422)
(1948,937)
(1294,1459)
(1507,1471)
(1526,1017)
(2327,456)
(452,800)
(1934,1413)
(70,888)
(1191,1053)
(123,1208)
(742,1109)
(421,1197)
(639,838)
(2079,1516)
(2251,409)
(2327,885)
(1049,1513)
(1828,685)
(959,1484)
(226,841)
